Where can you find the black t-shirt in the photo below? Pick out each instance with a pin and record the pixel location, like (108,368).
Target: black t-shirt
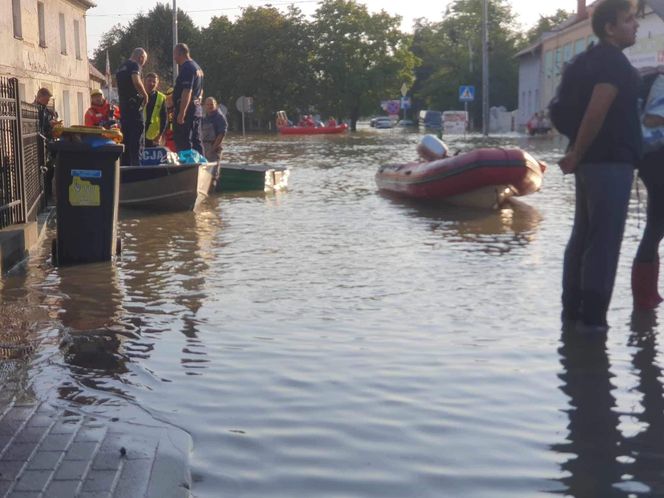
(190,76)
(127,93)
(619,139)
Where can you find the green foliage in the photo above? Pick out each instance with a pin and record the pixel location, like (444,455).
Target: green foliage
(152,31)
(451,54)
(359,58)
(546,23)
(343,62)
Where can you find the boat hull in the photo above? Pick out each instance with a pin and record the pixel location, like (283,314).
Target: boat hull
(479,178)
(309,130)
(243,177)
(159,188)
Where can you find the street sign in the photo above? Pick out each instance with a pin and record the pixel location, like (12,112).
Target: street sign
(404,90)
(405,102)
(245,104)
(466,93)
(393,106)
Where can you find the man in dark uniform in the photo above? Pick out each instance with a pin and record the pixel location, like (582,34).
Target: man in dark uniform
(47,118)
(187,99)
(133,98)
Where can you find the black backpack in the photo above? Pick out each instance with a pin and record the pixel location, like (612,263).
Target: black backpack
(566,109)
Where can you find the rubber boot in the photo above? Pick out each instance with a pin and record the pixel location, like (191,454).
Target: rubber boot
(644,285)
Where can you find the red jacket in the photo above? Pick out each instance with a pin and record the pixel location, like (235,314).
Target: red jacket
(97,115)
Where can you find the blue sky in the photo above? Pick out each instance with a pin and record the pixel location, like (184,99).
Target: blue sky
(110,12)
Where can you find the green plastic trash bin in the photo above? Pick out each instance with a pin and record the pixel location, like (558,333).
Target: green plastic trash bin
(87,186)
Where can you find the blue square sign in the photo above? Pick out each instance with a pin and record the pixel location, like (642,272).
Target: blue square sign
(466,93)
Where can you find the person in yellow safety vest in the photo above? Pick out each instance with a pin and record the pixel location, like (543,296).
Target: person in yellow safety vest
(156,119)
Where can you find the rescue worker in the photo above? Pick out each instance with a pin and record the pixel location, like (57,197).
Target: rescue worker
(156,118)
(187,97)
(133,99)
(101,112)
(47,119)
(214,128)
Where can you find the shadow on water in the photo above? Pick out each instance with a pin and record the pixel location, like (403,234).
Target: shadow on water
(496,231)
(602,460)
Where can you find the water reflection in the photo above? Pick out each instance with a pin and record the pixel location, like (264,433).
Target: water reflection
(646,446)
(495,231)
(594,466)
(166,259)
(90,308)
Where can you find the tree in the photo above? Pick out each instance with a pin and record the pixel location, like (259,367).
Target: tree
(265,55)
(153,32)
(451,54)
(359,58)
(546,23)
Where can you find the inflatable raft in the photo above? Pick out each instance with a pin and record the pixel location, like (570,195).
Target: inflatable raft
(479,178)
(310,130)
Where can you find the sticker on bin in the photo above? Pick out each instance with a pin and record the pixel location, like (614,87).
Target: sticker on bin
(86,173)
(84,193)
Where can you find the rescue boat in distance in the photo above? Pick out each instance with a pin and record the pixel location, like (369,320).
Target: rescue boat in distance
(309,130)
(485,177)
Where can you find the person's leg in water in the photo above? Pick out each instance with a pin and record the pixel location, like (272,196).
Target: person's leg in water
(571,296)
(608,187)
(645,269)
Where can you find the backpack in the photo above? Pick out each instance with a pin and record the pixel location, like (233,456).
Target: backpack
(566,109)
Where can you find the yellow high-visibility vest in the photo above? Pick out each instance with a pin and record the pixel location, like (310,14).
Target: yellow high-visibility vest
(155,122)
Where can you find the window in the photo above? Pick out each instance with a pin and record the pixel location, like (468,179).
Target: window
(559,62)
(63,35)
(579,46)
(42,24)
(592,39)
(77,39)
(548,63)
(66,114)
(79,102)
(16,14)
(567,52)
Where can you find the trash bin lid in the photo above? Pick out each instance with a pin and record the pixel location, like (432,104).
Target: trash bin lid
(68,146)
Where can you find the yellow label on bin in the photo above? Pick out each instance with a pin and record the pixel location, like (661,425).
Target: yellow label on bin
(84,193)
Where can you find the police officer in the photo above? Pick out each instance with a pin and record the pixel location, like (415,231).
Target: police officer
(133,99)
(187,100)
(156,118)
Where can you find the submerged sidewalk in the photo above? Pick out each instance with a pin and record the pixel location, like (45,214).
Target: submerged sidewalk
(46,453)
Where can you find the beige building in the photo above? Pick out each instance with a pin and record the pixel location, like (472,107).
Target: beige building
(45,45)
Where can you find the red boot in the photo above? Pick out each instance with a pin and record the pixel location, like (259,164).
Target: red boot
(644,285)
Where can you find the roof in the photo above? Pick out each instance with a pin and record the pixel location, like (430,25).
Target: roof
(530,50)
(95,73)
(88,4)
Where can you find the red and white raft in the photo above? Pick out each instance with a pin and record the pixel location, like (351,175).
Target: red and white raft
(479,178)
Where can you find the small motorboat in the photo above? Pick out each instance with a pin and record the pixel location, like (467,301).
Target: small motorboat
(285,128)
(164,187)
(480,178)
(243,177)
(313,130)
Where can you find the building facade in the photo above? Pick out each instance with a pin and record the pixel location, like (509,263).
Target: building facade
(45,45)
(555,48)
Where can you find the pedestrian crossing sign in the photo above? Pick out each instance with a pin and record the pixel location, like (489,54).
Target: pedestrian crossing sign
(466,93)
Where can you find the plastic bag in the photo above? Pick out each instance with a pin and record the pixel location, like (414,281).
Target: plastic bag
(191,156)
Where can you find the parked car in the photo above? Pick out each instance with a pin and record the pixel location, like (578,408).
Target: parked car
(383,122)
(431,119)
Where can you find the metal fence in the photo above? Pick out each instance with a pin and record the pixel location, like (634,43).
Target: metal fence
(21,155)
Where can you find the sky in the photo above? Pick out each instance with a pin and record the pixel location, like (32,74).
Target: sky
(110,12)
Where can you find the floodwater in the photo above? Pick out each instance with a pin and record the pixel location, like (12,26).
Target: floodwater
(328,341)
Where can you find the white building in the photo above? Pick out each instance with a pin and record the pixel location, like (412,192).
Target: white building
(44,44)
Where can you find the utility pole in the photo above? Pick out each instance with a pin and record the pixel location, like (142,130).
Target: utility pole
(485,67)
(175,37)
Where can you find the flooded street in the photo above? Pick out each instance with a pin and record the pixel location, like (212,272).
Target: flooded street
(328,341)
